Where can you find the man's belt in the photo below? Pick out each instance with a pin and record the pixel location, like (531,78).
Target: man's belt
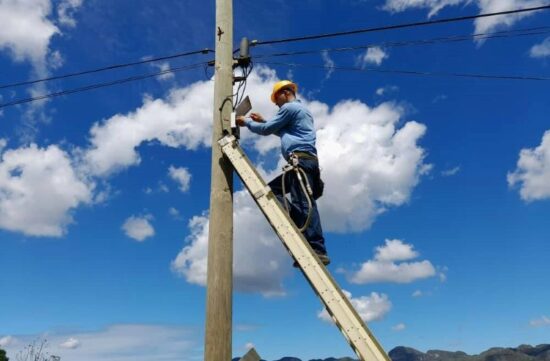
(305,155)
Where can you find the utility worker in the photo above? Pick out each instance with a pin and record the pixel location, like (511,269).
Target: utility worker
(293,123)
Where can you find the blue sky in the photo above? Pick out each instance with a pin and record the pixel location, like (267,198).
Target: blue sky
(435,212)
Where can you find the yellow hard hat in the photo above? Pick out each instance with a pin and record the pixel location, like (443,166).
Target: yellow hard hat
(280,85)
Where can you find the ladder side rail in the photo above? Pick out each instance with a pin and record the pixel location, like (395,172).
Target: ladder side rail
(337,304)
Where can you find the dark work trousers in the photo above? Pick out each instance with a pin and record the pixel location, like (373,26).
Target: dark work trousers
(298,205)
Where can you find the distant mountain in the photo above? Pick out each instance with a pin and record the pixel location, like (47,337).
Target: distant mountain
(521,353)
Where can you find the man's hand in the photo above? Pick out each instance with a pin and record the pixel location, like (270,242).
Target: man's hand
(257,117)
(240,121)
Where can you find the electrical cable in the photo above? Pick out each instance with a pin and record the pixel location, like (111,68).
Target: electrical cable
(110,67)
(400,26)
(101,85)
(248,69)
(412,72)
(254,43)
(448,39)
(241,89)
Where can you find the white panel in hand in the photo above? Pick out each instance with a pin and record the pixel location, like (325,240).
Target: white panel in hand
(338,306)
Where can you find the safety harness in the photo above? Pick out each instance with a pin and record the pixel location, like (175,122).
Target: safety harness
(294,165)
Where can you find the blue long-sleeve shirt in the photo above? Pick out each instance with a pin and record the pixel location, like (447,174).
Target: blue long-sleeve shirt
(293,123)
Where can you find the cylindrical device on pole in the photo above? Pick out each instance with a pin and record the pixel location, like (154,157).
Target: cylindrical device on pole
(219,293)
(244,51)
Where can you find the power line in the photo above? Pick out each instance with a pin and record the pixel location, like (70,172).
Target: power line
(412,72)
(110,67)
(449,39)
(194,66)
(101,85)
(457,38)
(207,50)
(399,26)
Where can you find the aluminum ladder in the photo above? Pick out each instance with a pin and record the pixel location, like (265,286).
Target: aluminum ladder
(337,304)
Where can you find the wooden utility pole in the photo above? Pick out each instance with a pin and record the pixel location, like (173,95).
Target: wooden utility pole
(219,301)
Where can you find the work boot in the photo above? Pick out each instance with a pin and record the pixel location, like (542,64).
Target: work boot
(322,257)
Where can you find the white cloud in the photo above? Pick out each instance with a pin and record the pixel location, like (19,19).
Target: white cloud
(56,59)
(433,5)
(38,190)
(370,308)
(125,342)
(492,23)
(374,55)
(174,213)
(249,345)
(541,50)
(26,30)
(533,171)
(540,322)
(373,271)
(387,89)
(329,64)
(160,188)
(6,341)
(182,120)
(66,10)
(260,260)
(138,228)
(163,67)
(399,327)
(3,143)
(482,25)
(395,250)
(362,151)
(181,176)
(28,27)
(70,343)
(383,267)
(163,188)
(450,172)
(417,293)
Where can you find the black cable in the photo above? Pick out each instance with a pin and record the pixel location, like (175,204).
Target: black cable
(401,26)
(239,87)
(101,85)
(448,39)
(413,72)
(110,67)
(242,86)
(227,99)
(250,68)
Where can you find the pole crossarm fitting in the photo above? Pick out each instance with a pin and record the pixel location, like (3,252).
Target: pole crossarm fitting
(336,303)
